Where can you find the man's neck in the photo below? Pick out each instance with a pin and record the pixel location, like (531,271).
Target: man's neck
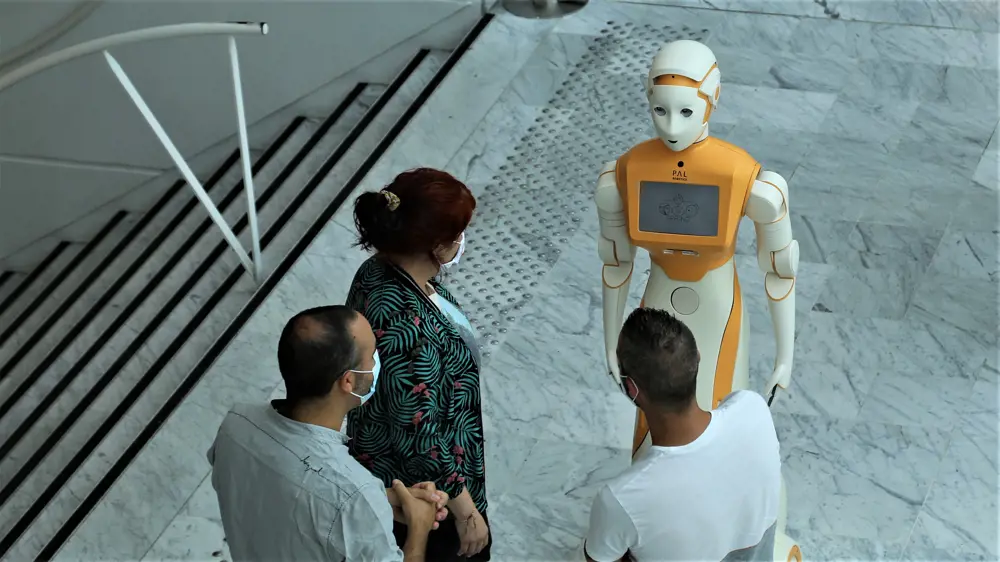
(676,429)
(328,415)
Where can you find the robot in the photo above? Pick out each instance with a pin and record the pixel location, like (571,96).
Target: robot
(680,197)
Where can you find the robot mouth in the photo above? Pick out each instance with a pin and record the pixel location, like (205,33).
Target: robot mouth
(671,141)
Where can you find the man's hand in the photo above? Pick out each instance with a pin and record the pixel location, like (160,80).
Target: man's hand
(425,491)
(419,515)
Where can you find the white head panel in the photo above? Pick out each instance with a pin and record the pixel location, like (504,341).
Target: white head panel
(679,113)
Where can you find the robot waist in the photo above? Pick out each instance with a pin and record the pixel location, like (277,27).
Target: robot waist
(688,264)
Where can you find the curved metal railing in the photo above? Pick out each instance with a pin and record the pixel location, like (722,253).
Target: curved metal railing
(101,45)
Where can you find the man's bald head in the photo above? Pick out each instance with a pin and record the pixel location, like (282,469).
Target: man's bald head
(316,348)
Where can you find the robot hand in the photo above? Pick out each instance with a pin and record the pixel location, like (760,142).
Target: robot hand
(781,376)
(613,372)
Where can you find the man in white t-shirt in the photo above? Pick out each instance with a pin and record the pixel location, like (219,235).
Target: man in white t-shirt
(709,487)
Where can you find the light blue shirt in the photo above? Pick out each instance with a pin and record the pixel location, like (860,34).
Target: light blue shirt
(291,491)
(461,323)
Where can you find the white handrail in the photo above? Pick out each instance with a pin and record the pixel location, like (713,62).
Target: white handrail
(241,123)
(104,43)
(182,165)
(255,265)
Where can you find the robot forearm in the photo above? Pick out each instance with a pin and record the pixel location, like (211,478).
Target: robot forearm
(778,258)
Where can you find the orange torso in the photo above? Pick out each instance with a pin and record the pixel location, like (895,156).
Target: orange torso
(711,186)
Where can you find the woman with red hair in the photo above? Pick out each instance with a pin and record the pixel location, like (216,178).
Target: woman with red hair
(424,421)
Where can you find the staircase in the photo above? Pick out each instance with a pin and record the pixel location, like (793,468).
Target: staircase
(103,340)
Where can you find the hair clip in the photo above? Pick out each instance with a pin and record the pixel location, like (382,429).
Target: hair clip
(391,198)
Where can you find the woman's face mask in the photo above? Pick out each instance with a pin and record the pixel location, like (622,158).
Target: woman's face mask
(374,374)
(458,255)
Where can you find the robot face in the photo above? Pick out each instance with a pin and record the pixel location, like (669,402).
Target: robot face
(678,115)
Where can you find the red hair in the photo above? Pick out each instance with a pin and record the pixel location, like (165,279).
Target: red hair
(420,211)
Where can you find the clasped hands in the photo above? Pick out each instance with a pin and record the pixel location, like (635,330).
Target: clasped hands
(424,492)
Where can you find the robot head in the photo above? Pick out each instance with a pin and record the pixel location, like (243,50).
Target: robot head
(683,90)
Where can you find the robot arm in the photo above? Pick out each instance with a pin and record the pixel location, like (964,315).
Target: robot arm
(618,254)
(778,257)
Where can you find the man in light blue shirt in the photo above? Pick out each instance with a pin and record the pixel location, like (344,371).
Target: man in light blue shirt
(287,487)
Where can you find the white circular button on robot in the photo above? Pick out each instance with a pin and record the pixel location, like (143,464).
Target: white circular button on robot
(684,300)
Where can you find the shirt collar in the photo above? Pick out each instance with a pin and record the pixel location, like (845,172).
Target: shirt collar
(278,406)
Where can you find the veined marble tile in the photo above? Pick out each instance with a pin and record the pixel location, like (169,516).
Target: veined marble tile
(812,74)
(505,455)
(886,248)
(962,126)
(885,79)
(915,347)
(977,211)
(856,480)
(461,101)
(478,162)
(556,56)
(968,254)
(868,293)
(868,121)
(818,236)
(960,515)
(781,154)
(537,528)
(842,340)
(770,108)
(925,399)
(924,208)
(974,89)
(825,389)
(522,405)
(966,304)
(196,533)
(777,7)
(979,15)
(988,171)
(746,68)
(561,467)
(822,170)
(135,511)
(894,42)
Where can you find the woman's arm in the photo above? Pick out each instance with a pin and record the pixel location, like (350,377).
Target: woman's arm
(414,370)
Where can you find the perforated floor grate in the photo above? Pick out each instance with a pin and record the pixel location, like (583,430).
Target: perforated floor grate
(545,191)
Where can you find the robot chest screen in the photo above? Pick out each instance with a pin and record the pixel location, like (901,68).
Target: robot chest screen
(678,208)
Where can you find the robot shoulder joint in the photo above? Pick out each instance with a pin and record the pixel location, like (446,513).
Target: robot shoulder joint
(608,198)
(768,201)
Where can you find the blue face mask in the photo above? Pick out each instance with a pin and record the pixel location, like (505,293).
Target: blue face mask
(374,373)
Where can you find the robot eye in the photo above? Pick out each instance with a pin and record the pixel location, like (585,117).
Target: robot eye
(659,111)
(687,112)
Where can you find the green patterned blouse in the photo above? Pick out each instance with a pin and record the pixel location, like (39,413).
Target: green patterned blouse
(424,422)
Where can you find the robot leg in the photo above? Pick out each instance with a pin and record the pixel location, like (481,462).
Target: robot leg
(785,549)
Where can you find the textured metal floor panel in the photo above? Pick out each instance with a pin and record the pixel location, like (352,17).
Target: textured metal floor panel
(544,194)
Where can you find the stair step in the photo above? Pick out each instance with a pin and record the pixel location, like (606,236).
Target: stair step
(130,259)
(90,421)
(33,415)
(9,281)
(35,283)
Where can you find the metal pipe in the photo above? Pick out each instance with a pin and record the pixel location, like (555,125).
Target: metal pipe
(105,43)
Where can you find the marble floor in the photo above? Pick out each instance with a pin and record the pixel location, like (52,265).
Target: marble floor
(881,115)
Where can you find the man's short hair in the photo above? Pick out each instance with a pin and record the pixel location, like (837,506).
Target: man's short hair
(659,354)
(316,348)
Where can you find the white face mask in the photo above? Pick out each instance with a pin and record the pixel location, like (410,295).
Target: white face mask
(374,373)
(458,255)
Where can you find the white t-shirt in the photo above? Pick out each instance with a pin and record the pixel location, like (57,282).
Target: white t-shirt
(701,501)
